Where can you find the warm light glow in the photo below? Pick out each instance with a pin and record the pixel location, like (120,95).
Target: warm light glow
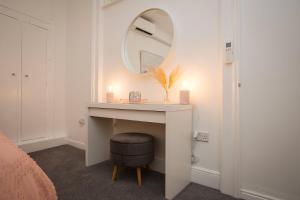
(110,88)
(185,85)
(115,88)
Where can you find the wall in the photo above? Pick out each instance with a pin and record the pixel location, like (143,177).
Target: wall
(41,9)
(78,76)
(59,59)
(270,97)
(53,13)
(196,49)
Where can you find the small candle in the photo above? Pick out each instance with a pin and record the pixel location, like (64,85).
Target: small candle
(184,93)
(110,95)
(184,97)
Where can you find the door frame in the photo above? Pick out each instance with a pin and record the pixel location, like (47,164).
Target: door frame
(230,150)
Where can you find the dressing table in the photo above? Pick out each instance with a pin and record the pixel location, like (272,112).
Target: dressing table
(177,120)
(146,45)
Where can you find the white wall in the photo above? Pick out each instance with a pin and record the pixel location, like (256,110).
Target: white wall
(196,49)
(78,76)
(59,63)
(41,9)
(270,96)
(53,13)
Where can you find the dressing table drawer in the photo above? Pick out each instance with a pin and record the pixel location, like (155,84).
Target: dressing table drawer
(134,115)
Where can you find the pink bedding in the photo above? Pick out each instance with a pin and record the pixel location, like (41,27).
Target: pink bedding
(20,177)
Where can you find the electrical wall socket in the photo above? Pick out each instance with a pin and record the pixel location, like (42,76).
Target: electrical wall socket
(203,137)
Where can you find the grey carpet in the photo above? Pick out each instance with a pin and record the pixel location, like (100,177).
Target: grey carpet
(73,181)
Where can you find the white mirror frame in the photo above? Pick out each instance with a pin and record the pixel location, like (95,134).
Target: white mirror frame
(127,63)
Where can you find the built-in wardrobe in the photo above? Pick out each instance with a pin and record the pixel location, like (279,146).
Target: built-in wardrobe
(23,78)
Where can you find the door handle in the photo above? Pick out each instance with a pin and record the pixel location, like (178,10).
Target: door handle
(13,74)
(26,75)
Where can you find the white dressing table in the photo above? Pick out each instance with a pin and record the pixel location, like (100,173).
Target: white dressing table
(178,136)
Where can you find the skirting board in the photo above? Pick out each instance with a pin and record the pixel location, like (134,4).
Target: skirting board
(42,144)
(251,195)
(206,177)
(76,144)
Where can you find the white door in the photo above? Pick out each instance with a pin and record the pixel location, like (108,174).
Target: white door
(34,62)
(10,68)
(270,98)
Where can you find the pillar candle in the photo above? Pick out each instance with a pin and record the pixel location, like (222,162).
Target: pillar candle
(184,97)
(109,97)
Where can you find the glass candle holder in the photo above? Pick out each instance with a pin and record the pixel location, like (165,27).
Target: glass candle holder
(135,97)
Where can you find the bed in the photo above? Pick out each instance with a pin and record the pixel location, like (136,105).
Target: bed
(20,177)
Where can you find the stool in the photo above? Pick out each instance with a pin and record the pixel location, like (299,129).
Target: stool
(131,150)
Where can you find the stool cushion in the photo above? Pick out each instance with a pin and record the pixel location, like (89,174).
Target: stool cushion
(132,149)
(131,138)
(132,161)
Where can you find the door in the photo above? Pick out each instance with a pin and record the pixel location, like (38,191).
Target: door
(10,68)
(34,62)
(270,99)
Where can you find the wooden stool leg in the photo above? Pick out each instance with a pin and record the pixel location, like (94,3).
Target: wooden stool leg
(139,176)
(114,174)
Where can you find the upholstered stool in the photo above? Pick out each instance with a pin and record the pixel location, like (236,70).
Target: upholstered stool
(131,150)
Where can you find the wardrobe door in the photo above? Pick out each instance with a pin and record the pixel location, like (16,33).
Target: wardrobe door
(10,67)
(34,62)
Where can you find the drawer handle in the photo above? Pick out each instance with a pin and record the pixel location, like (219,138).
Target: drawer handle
(13,74)
(26,75)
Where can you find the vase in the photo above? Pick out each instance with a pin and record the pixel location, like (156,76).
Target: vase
(166,98)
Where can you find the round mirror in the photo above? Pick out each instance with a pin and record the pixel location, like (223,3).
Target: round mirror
(148,41)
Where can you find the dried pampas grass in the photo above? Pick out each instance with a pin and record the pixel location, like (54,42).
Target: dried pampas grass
(160,75)
(174,76)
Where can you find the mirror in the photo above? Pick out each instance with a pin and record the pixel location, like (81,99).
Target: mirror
(148,41)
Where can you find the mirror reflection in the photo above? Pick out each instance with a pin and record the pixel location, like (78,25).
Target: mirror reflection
(148,41)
